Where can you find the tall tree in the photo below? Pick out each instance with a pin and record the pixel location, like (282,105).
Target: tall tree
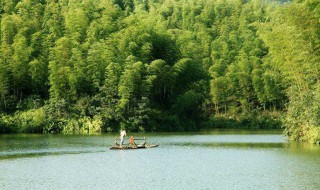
(60,70)
(4,85)
(20,66)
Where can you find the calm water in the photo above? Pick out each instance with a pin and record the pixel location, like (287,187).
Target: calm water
(211,160)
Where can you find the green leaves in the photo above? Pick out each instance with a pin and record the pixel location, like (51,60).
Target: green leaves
(76,23)
(158,64)
(290,35)
(4,85)
(130,85)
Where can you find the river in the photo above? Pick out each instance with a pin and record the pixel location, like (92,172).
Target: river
(231,159)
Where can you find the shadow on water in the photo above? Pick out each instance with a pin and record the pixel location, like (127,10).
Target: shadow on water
(21,146)
(28,154)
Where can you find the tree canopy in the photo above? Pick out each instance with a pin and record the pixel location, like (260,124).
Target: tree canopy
(159,65)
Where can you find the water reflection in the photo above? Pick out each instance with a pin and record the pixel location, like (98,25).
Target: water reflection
(223,145)
(302,147)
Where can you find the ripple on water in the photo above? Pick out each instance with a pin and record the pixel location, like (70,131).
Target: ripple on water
(199,161)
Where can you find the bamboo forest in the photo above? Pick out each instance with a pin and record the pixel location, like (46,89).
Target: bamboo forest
(96,66)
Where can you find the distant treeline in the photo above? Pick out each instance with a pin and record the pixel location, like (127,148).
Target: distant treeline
(91,66)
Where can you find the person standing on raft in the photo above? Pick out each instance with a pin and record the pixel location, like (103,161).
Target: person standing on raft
(123,133)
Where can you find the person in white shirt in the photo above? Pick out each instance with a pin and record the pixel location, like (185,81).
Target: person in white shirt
(122,135)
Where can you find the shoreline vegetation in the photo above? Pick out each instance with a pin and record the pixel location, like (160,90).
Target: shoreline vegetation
(96,66)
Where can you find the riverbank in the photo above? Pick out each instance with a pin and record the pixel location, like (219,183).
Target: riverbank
(36,121)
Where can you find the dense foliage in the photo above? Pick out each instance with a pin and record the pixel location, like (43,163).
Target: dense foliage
(91,66)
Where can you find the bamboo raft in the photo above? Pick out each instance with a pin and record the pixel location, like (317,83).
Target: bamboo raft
(116,145)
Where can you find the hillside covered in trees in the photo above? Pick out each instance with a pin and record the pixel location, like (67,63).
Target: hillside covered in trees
(91,66)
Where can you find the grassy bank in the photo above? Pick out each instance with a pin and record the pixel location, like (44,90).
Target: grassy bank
(262,121)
